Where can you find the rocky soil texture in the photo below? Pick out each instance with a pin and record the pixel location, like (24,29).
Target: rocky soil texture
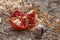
(49,18)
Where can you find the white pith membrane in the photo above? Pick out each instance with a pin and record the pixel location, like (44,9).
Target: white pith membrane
(17,21)
(24,17)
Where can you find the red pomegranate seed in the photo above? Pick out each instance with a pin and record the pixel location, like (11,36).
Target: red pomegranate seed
(25,20)
(17,13)
(31,18)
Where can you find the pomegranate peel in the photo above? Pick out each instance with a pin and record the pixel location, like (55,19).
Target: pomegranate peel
(19,21)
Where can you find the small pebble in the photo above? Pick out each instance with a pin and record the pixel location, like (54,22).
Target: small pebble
(38,31)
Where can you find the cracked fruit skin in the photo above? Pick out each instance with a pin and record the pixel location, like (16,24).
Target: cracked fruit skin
(26,23)
(32,20)
(16,27)
(17,13)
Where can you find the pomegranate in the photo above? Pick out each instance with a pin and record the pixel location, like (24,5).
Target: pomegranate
(19,21)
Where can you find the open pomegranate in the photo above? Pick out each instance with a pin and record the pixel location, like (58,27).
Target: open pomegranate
(20,21)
